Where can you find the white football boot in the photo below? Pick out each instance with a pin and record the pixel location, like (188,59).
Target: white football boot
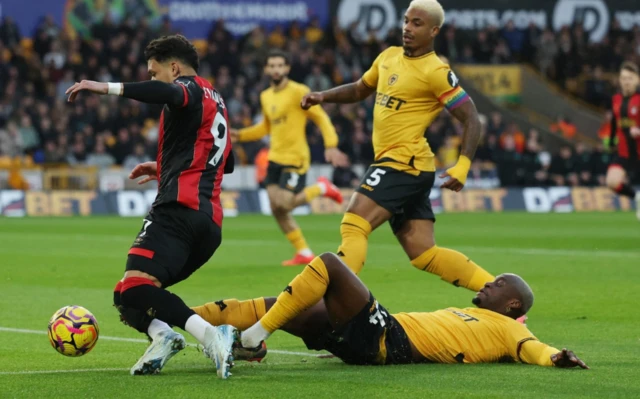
(219,347)
(159,352)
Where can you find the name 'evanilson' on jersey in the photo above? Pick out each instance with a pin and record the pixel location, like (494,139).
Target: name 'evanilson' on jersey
(194,149)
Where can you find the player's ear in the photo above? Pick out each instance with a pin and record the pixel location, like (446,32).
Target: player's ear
(435,31)
(514,304)
(175,70)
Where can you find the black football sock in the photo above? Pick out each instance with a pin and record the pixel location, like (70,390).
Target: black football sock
(156,303)
(626,190)
(134,318)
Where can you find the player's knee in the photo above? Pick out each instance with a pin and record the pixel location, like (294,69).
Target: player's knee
(614,179)
(332,262)
(134,289)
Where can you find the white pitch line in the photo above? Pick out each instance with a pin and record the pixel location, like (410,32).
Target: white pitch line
(144,341)
(59,371)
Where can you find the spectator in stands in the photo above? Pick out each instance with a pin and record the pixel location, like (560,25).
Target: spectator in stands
(514,132)
(53,154)
(508,160)
(597,90)
(547,50)
(28,135)
(9,32)
(317,81)
(563,168)
(514,38)
(10,141)
(99,157)
(139,156)
(584,165)
(564,126)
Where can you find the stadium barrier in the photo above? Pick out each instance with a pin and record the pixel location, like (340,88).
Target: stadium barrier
(14,203)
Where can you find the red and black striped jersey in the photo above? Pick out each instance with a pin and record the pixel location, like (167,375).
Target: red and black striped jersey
(194,149)
(626,115)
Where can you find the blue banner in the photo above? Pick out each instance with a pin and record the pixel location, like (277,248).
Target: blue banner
(137,203)
(193,18)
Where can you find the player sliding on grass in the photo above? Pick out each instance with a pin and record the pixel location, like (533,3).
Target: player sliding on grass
(289,156)
(330,308)
(412,87)
(183,228)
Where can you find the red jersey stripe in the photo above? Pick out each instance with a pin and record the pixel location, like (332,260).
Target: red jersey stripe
(189,180)
(186,96)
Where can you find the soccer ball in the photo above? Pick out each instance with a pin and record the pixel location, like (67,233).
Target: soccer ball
(73,331)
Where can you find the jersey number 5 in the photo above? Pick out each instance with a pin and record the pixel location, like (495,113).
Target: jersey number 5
(374,177)
(219,133)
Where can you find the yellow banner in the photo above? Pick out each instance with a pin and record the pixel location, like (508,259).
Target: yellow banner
(501,82)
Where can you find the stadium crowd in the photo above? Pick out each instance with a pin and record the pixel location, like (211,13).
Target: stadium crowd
(36,120)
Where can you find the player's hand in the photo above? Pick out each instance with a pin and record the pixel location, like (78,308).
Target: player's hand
(635,132)
(89,85)
(457,174)
(336,158)
(235,135)
(567,359)
(148,169)
(311,99)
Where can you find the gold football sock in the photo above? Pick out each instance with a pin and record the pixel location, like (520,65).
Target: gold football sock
(312,192)
(297,240)
(454,267)
(304,291)
(240,314)
(355,232)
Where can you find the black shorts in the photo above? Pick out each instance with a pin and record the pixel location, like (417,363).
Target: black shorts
(174,242)
(631,167)
(286,177)
(404,195)
(373,336)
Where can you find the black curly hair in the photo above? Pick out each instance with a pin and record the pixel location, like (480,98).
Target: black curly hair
(173,47)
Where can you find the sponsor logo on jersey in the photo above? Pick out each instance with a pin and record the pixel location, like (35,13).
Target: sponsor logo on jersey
(391,102)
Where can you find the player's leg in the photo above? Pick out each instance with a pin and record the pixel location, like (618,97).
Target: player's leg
(417,239)
(244,314)
(283,197)
(156,261)
(325,277)
(323,187)
(617,181)
(414,229)
(370,206)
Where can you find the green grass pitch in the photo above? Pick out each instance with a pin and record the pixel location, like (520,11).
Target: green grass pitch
(584,270)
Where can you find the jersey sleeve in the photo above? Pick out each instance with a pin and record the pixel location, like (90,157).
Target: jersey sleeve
(445,86)
(192,93)
(524,347)
(370,78)
(257,131)
(532,351)
(320,118)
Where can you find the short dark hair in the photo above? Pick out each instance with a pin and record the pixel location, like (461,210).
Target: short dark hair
(277,54)
(173,47)
(630,66)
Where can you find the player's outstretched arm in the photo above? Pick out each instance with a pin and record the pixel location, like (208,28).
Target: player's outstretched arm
(151,91)
(345,94)
(468,115)
(535,352)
